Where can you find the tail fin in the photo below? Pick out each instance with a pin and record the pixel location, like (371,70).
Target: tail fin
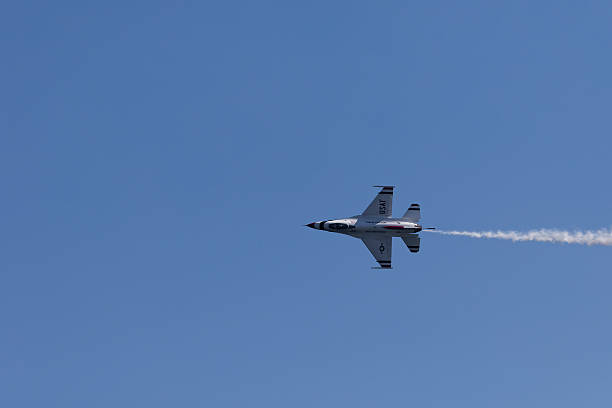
(413,214)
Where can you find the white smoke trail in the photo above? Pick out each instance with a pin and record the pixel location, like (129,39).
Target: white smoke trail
(599,237)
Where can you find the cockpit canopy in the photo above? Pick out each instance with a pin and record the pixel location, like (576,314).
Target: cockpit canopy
(337,226)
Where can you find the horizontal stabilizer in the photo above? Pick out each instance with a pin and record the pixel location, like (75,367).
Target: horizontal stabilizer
(413,214)
(413,242)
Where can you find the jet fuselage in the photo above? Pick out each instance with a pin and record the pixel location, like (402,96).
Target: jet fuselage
(376,227)
(359,225)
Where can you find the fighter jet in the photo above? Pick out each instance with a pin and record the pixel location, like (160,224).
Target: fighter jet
(375,227)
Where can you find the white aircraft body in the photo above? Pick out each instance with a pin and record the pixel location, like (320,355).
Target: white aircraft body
(375,227)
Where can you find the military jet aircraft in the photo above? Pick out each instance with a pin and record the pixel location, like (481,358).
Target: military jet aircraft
(375,227)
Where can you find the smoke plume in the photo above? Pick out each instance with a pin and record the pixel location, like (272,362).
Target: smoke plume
(599,237)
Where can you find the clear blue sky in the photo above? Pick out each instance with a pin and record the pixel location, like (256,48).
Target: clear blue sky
(158,161)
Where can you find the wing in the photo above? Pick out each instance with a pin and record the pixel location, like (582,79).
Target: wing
(382,204)
(380,247)
(413,242)
(413,214)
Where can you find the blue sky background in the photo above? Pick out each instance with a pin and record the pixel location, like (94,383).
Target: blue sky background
(159,159)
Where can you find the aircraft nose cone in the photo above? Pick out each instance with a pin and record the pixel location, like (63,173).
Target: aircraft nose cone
(311,225)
